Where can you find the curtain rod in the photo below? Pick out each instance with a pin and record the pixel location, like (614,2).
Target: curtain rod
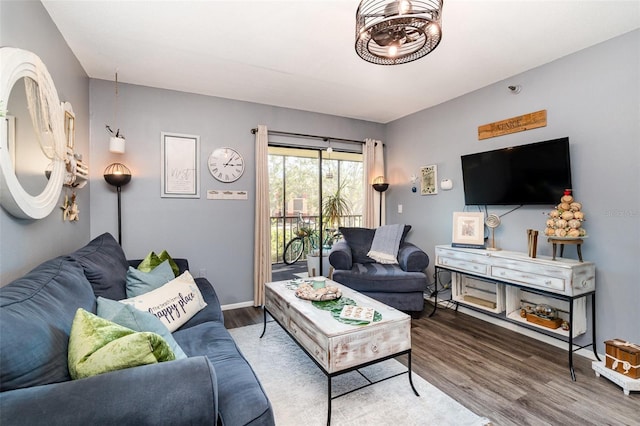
(302,135)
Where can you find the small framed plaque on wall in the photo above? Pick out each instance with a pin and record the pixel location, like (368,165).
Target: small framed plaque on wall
(429,180)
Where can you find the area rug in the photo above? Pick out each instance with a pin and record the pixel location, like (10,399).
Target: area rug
(298,389)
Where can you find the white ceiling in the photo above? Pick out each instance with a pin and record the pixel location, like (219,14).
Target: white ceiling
(300,54)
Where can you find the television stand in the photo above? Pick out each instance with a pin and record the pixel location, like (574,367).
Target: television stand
(502,283)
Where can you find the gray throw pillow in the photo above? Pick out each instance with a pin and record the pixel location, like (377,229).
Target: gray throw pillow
(105,266)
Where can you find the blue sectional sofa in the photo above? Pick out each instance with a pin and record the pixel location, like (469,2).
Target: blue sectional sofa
(213,385)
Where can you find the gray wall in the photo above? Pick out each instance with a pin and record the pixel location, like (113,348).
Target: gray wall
(26,243)
(592,97)
(215,235)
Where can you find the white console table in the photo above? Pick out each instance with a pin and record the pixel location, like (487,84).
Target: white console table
(501,282)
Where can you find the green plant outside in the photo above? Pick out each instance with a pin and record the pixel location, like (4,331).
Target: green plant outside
(335,206)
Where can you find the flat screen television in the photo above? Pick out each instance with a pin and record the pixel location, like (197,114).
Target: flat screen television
(536,173)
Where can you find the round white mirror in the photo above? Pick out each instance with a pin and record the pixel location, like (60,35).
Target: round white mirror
(46,115)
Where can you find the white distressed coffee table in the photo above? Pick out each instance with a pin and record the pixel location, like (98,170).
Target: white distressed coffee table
(335,347)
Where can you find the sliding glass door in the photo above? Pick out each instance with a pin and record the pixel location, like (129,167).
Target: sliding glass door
(312,192)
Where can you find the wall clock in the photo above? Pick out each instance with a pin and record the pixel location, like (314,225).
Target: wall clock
(226,164)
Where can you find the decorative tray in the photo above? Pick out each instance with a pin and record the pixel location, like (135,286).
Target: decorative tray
(307,292)
(358,313)
(336,306)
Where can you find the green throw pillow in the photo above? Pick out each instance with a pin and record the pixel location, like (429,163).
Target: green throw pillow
(174,266)
(139,282)
(136,320)
(152,260)
(148,263)
(98,346)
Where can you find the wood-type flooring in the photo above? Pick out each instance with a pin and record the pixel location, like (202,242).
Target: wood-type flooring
(503,375)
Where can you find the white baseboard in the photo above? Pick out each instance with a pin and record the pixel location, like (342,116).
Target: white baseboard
(587,353)
(247,304)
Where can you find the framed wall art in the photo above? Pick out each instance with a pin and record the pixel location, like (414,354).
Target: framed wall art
(69,125)
(468,229)
(429,180)
(180,168)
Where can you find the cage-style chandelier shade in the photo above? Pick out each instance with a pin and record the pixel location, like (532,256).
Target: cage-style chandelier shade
(390,32)
(117,174)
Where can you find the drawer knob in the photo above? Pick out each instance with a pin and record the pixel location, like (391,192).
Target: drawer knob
(374,348)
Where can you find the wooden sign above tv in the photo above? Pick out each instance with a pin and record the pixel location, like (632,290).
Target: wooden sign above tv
(513,125)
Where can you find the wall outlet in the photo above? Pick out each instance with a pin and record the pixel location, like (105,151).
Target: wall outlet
(399,208)
(203,273)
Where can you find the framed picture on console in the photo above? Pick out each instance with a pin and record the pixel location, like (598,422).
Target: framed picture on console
(468,229)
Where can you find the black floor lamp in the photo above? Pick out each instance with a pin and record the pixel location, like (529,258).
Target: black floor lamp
(380,185)
(118,174)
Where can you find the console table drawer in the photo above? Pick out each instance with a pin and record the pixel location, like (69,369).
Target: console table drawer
(529,279)
(463,265)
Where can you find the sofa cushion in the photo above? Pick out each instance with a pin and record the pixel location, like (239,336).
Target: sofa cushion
(97,346)
(139,282)
(105,266)
(377,277)
(36,312)
(136,320)
(360,239)
(241,398)
(169,393)
(174,303)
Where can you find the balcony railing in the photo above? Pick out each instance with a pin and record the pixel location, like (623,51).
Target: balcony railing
(283,229)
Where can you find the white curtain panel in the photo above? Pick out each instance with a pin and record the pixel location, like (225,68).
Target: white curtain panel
(373,167)
(262,246)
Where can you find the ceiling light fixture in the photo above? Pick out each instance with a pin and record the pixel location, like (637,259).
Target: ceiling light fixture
(329,148)
(329,174)
(391,32)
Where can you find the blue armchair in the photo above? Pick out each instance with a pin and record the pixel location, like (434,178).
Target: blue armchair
(399,285)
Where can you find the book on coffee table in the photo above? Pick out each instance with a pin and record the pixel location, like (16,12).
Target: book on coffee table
(358,313)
